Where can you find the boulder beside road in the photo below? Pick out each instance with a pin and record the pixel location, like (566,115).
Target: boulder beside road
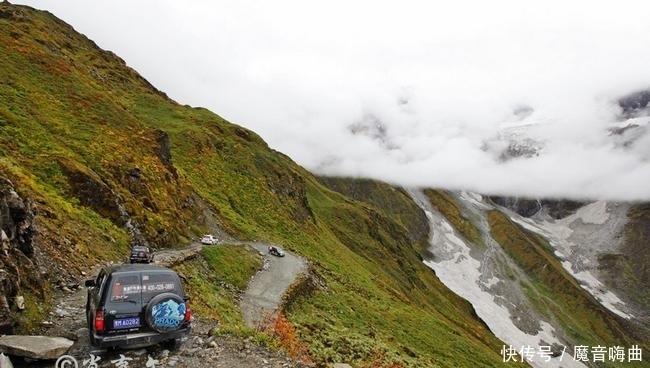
(35,347)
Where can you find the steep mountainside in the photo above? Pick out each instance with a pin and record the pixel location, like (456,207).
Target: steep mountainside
(564,275)
(542,281)
(109,161)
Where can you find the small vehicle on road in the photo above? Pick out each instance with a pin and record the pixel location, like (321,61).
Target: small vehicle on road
(141,254)
(276,251)
(136,306)
(209,239)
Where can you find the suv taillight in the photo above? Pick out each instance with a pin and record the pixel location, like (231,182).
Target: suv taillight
(99,321)
(188,313)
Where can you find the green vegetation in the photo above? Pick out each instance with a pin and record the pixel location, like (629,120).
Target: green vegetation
(633,271)
(34,313)
(379,295)
(214,280)
(450,208)
(234,264)
(393,201)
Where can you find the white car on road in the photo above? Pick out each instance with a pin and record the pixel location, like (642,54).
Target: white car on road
(209,239)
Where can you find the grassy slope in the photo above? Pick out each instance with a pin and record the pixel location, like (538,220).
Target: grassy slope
(633,271)
(395,202)
(70,111)
(402,291)
(556,294)
(214,280)
(449,207)
(64,120)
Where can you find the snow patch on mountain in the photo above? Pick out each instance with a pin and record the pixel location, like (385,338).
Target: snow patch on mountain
(579,239)
(514,140)
(594,213)
(475,199)
(476,277)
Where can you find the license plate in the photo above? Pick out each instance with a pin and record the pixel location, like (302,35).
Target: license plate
(126,322)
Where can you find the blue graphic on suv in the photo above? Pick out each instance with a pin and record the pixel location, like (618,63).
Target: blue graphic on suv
(132,305)
(168,314)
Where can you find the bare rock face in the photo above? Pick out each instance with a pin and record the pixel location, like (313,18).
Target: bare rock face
(92,192)
(16,218)
(635,103)
(523,206)
(17,237)
(8,289)
(164,152)
(527,207)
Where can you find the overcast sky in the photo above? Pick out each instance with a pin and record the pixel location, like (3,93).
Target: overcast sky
(421,93)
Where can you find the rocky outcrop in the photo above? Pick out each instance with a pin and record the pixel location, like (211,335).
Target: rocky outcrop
(558,209)
(290,189)
(635,103)
(92,192)
(164,153)
(525,148)
(512,144)
(16,219)
(8,290)
(396,202)
(528,207)
(523,206)
(17,263)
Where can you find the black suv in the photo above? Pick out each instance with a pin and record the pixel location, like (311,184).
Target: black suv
(136,306)
(141,254)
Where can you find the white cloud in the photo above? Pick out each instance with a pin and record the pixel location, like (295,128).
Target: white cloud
(441,78)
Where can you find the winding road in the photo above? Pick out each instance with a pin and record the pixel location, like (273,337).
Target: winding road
(262,298)
(264,293)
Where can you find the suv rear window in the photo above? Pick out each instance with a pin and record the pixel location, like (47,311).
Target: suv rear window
(140,287)
(156,283)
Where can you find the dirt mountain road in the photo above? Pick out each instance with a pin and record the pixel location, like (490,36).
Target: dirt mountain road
(264,293)
(262,297)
